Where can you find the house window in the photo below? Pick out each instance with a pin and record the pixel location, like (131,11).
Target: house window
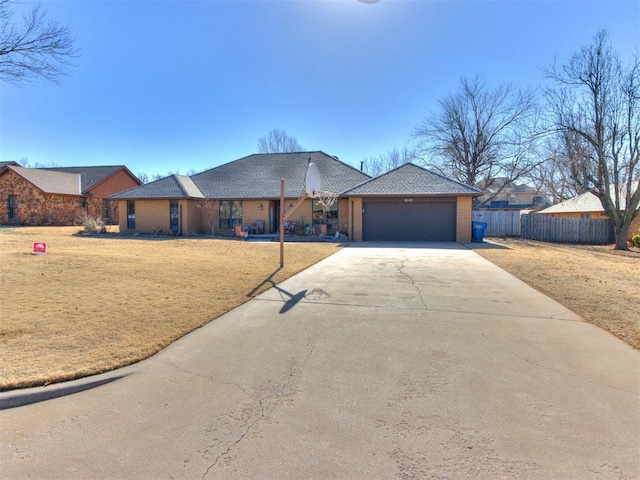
(12,207)
(83,203)
(131,214)
(230,213)
(106,210)
(173,216)
(332,214)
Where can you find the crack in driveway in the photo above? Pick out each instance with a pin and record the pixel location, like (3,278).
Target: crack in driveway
(412,280)
(555,370)
(209,377)
(285,383)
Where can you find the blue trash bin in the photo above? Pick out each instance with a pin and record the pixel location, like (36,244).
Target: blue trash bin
(477,231)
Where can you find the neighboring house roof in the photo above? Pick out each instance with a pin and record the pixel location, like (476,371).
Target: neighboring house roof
(585,202)
(2,164)
(504,185)
(410,179)
(504,194)
(49,181)
(255,176)
(92,176)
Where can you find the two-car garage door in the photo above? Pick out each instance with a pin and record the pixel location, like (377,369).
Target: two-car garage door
(416,219)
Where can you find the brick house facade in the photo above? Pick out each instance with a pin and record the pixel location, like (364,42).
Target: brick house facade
(46,197)
(407,204)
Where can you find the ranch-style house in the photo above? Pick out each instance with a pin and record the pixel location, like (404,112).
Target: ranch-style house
(408,203)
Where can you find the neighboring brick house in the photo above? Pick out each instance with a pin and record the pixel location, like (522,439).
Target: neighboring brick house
(60,196)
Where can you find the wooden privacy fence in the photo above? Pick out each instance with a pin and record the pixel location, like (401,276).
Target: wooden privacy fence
(566,229)
(499,223)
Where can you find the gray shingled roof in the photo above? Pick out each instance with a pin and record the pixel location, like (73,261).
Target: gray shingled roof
(173,186)
(90,176)
(258,176)
(508,186)
(410,179)
(50,181)
(255,176)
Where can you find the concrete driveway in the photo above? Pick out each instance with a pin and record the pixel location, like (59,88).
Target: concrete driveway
(414,361)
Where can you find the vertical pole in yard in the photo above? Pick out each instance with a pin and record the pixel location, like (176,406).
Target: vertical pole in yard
(281,222)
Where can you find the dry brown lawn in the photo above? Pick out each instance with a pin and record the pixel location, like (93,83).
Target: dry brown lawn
(95,303)
(600,284)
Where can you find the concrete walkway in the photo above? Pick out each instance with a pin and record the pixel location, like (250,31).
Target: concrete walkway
(398,362)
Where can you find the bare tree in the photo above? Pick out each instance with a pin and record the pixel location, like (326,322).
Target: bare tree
(595,107)
(552,175)
(480,134)
(26,163)
(36,49)
(326,201)
(143,177)
(388,161)
(209,208)
(278,141)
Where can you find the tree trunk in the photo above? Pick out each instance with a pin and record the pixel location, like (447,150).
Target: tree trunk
(621,236)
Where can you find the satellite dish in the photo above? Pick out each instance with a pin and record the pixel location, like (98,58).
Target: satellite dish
(312,180)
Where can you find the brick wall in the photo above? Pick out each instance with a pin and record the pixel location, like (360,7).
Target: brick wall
(463,219)
(355,221)
(343,215)
(36,207)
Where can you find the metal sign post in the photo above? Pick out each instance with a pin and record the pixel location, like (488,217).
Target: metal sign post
(312,188)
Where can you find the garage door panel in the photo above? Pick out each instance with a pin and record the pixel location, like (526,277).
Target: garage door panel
(427,221)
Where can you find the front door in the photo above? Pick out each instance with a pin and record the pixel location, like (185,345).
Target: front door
(274,216)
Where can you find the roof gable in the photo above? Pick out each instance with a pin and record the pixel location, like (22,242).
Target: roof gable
(92,176)
(506,186)
(410,179)
(49,181)
(173,186)
(585,202)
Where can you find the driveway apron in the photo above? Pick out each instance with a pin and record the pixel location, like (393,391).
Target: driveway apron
(382,361)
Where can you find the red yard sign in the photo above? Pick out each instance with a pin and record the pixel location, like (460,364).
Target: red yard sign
(39,248)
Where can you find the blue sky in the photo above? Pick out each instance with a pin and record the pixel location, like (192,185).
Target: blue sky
(175,86)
